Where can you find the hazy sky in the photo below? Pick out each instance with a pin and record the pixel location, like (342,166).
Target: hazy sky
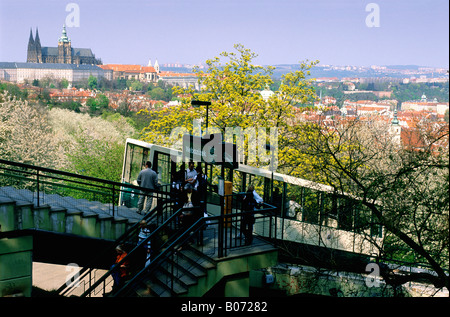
(191,31)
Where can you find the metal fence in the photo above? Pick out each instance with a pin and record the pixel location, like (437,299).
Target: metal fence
(213,236)
(42,186)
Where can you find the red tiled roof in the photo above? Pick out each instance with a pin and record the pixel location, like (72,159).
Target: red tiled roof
(129,68)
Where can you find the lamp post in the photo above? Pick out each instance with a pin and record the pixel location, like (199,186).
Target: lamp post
(202,103)
(271,149)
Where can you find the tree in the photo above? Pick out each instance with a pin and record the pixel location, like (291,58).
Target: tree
(234,90)
(157,93)
(26,133)
(404,187)
(64,83)
(92,82)
(135,85)
(96,156)
(121,84)
(92,146)
(98,105)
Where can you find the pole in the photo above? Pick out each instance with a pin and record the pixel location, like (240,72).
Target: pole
(207,112)
(203,103)
(38,188)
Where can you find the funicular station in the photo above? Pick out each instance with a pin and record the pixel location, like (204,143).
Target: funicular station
(57,217)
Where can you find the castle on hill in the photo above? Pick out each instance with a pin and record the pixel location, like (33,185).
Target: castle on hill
(63,54)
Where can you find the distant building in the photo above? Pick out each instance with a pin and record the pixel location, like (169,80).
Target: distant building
(369,107)
(180,79)
(21,72)
(424,105)
(63,54)
(133,72)
(396,129)
(266,93)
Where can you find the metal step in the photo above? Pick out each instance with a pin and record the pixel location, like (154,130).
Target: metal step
(178,273)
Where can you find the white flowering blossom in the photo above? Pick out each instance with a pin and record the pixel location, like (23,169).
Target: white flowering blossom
(26,134)
(62,139)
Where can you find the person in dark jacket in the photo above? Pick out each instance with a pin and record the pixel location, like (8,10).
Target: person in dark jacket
(248,218)
(148,179)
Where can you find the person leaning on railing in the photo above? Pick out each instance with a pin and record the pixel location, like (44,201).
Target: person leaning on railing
(250,202)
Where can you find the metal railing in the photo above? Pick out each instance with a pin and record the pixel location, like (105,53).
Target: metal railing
(87,276)
(48,186)
(215,236)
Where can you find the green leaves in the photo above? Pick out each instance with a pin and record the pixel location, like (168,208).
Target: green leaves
(233,85)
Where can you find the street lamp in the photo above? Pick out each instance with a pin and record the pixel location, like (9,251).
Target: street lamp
(271,149)
(202,103)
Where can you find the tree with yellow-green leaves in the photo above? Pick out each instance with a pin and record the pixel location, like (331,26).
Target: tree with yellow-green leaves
(234,89)
(402,190)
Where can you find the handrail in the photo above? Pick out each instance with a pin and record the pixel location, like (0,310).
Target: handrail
(130,254)
(64,289)
(76,176)
(163,255)
(178,237)
(25,174)
(29,172)
(180,241)
(54,171)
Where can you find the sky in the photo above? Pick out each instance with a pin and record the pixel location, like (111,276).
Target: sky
(335,32)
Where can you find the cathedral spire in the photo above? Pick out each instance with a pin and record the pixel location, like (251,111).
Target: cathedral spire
(31,40)
(395,120)
(37,40)
(31,53)
(64,37)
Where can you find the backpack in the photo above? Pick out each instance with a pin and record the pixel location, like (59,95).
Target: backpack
(202,182)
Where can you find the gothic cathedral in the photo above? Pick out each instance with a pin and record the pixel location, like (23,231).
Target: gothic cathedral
(63,54)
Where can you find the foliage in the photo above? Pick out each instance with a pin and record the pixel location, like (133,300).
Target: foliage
(234,90)
(97,157)
(92,146)
(98,105)
(414,91)
(26,133)
(92,82)
(13,91)
(134,85)
(404,187)
(62,139)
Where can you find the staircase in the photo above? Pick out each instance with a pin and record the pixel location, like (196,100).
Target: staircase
(33,198)
(175,276)
(190,262)
(64,214)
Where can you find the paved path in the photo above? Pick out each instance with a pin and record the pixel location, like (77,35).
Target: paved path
(50,277)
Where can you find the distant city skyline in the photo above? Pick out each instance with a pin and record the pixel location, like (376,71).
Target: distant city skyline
(347,32)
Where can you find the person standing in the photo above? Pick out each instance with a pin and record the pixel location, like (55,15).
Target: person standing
(148,179)
(120,272)
(190,177)
(248,219)
(201,187)
(144,233)
(257,198)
